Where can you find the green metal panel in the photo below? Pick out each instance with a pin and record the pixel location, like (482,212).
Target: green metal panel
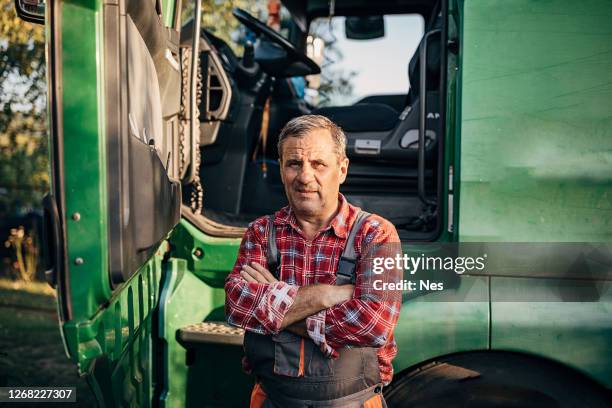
(83,130)
(186,300)
(535,155)
(85,161)
(214,378)
(577,334)
(536,127)
(442,323)
(114,346)
(109,334)
(209,258)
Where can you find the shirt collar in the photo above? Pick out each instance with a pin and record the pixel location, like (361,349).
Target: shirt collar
(339,223)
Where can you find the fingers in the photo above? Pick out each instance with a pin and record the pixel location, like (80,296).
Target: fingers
(256,273)
(251,275)
(247,277)
(266,273)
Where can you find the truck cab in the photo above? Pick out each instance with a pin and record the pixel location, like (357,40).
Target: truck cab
(478,124)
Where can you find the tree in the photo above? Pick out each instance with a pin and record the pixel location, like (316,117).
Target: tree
(24,173)
(218,19)
(334,83)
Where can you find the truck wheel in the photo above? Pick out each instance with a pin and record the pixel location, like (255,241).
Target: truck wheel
(495,379)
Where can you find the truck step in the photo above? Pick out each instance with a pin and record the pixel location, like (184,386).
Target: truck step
(212,333)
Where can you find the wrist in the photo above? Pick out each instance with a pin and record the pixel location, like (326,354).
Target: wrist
(330,296)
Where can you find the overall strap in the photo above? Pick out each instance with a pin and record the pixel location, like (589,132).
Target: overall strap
(348,259)
(273,254)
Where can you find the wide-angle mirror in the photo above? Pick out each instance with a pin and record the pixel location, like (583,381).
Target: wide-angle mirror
(32,11)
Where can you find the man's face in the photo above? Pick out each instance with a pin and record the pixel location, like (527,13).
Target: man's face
(312,172)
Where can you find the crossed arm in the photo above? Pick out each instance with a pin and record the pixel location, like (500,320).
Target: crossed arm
(308,301)
(332,316)
(326,314)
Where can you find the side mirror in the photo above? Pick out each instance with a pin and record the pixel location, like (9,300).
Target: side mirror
(32,11)
(364,28)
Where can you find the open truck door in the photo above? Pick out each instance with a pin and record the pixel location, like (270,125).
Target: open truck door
(121,143)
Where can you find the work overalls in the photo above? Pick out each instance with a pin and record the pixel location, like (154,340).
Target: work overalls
(292,370)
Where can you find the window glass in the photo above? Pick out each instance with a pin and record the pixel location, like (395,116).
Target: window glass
(217,18)
(353,69)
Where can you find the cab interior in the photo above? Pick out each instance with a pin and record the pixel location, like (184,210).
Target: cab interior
(246,100)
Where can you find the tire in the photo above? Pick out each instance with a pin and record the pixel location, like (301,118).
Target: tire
(495,379)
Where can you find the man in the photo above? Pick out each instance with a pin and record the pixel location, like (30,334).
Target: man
(316,335)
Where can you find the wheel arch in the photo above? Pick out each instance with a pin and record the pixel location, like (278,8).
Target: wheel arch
(440,371)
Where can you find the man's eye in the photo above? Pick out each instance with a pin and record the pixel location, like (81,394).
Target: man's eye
(318,165)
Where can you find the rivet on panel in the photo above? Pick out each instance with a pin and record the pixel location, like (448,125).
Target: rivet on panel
(76,216)
(79,261)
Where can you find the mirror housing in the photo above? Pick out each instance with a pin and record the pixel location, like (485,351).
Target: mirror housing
(364,28)
(32,11)
(277,62)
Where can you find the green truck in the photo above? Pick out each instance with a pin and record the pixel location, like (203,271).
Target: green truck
(161,156)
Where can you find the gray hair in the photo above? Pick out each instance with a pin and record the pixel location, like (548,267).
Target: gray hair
(300,126)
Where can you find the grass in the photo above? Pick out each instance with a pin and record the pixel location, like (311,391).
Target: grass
(31,350)
(33,295)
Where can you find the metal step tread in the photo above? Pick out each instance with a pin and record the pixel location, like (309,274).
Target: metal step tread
(212,332)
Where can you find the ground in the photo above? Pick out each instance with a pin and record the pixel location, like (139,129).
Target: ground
(31,350)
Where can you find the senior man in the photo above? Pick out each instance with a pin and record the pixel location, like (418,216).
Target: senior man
(316,334)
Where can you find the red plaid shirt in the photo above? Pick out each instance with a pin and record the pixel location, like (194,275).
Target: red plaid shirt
(362,321)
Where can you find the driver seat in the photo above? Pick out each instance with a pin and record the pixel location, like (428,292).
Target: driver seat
(378,131)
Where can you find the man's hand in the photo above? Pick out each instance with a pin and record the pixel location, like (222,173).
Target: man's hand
(257,273)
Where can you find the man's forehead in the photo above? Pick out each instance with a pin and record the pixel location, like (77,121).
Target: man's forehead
(315,143)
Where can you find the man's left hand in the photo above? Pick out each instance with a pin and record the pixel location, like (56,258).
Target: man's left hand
(257,273)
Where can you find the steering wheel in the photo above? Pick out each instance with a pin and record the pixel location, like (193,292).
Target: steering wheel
(259,28)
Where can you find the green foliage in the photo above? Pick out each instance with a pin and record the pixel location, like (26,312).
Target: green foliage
(24,173)
(336,84)
(218,19)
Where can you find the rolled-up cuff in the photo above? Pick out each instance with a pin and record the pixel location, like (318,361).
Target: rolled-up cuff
(315,326)
(274,305)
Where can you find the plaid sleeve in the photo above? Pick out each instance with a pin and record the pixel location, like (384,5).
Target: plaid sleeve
(369,318)
(253,306)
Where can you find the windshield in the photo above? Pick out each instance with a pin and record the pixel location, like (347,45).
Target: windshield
(217,18)
(354,69)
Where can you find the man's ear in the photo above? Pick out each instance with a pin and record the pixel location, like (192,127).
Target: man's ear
(343,169)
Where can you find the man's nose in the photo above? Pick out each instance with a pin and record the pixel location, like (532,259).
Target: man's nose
(306,174)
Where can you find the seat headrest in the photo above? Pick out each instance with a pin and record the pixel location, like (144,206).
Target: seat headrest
(433,65)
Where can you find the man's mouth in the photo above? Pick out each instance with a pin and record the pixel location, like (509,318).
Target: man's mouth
(306,191)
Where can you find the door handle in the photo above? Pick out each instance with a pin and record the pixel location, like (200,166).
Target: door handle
(51,239)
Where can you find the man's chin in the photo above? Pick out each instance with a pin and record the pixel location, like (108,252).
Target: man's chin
(309,207)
